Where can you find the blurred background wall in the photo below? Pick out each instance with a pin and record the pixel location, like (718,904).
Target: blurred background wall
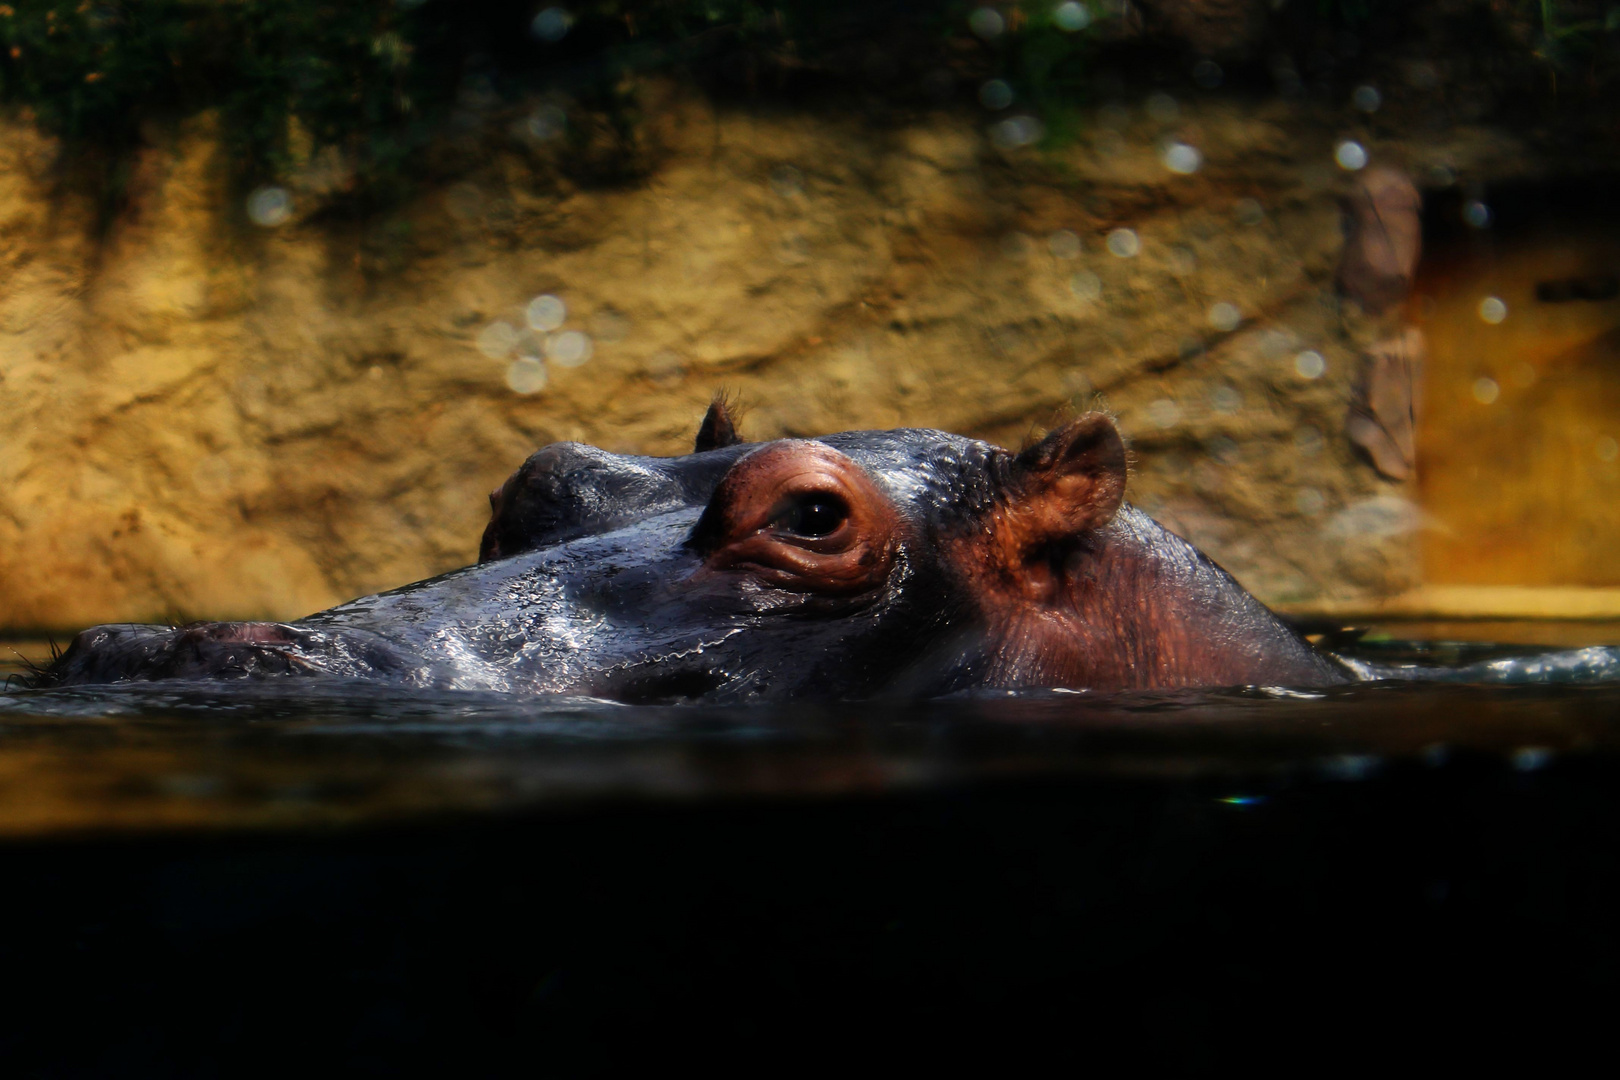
(1274,249)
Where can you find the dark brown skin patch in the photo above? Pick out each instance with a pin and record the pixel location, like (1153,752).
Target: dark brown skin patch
(489,545)
(800,516)
(718,428)
(1073,598)
(1071,481)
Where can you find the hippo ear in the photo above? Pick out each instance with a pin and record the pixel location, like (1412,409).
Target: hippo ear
(717,429)
(1070,481)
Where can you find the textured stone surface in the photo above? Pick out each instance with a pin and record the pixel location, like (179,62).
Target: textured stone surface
(1383,239)
(199,416)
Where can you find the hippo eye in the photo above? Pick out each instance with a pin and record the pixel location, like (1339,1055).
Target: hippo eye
(799,517)
(813,514)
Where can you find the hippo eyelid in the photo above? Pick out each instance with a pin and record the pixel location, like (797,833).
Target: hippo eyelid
(800,516)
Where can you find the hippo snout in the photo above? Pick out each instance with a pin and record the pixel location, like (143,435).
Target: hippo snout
(226,650)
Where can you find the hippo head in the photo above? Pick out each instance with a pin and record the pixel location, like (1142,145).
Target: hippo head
(866,562)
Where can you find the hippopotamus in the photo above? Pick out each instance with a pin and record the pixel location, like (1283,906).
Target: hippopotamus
(861,564)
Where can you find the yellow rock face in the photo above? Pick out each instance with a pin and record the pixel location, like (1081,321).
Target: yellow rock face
(203,417)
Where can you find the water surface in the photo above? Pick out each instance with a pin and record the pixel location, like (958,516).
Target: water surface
(277,873)
(230,755)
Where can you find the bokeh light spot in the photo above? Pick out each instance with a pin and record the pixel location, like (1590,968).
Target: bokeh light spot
(1477,215)
(546,312)
(1531,758)
(1248,212)
(570,348)
(526,375)
(269,206)
(1086,286)
(1063,244)
(1274,341)
(1367,99)
(987,23)
(1180,158)
(497,340)
(1124,243)
(1164,413)
(1016,131)
(1351,767)
(1225,317)
(1309,364)
(1350,155)
(551,24)
(1485,390)
(1163,108)
(547,123)
(1606,448)
(1071,16)
(1492,309)
(995,94)
(787,181)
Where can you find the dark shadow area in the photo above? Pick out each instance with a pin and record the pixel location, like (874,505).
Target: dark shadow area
(1518,211)
(1452,913)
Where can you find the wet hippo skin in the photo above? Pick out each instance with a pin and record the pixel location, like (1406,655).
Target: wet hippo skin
(866,563)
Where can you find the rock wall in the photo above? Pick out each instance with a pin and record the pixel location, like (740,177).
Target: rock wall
(202,416)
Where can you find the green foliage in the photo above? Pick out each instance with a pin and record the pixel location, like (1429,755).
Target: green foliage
(1047,64)
(289,77)
(95,71)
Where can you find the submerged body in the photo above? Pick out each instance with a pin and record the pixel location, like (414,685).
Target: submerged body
(905,562)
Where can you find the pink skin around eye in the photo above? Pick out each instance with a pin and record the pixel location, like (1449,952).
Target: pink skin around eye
(740,530)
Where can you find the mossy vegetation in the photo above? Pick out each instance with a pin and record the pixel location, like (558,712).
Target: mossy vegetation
(95,72)
(378,79)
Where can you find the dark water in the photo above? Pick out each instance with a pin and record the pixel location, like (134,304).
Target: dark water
(231,880)
(237,755)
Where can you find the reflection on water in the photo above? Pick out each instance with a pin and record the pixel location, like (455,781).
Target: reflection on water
(226,755)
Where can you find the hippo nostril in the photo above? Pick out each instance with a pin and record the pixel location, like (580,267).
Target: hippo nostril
(246,633)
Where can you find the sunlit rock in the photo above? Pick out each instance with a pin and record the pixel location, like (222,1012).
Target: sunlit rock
(1382,411)
(1383,239)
